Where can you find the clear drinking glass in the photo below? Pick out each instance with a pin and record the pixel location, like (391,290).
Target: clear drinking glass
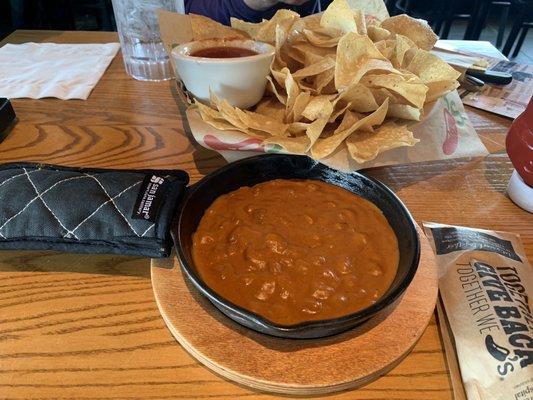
(144,55)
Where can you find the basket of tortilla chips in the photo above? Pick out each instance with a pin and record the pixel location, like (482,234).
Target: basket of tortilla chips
(342,79)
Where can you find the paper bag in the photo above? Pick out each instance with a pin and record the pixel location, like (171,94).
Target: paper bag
(485,284)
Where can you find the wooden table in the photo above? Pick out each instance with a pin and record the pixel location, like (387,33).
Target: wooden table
(87,326)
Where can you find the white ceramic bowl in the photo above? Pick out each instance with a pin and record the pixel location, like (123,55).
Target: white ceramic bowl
(240,80)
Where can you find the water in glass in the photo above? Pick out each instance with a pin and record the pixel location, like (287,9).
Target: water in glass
(144,55)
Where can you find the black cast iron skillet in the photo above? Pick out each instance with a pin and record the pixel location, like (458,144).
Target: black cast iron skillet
(251,171)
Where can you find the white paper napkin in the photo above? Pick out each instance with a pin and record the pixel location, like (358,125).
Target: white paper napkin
(65,71)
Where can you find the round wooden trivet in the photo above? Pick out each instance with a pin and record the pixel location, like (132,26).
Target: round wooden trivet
(295,367)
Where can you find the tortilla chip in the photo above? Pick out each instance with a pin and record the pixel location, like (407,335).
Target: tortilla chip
(404,111)
(222,125)
(295,54)
(356,47)
(405,39)
(360,22)
(417,30)
(208,111)
(279,75)
(439,89)
(372,8)
(357,55)
(271,108)
(317,106)
(272,88)
(408,56)
(360,97)
(323,79)
(325,31)
(283,18)
(281,37)
(431,68)
(314,69)
(341,110)
(311,22)
(347,121)
(299,105)
(315,129)
(312,58)
(205,28)
(217,121)
(213,118)
(376,33)
(326,146)
(375,118)
(248,28)
(401,45)
(306,87)
(294,145)
(266,31)
(386,47)
(329,89)
(292,89)
(282,32)
(319,40)
(412,91)
(343,79)
(339,16)
(228,112)
(297,128)
(262,123)
(306,48)
(364,146)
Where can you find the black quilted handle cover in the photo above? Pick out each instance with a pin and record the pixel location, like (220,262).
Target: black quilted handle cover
(84,210)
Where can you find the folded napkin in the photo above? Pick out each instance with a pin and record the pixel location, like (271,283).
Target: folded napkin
(65,71)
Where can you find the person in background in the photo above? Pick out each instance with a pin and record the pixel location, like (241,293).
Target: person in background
(248,10)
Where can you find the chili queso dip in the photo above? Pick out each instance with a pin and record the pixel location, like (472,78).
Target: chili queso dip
(293,251)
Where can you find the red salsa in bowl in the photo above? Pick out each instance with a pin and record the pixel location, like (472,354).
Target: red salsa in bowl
(224,52)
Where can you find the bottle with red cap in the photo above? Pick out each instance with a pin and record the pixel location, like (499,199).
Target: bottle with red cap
(519,145)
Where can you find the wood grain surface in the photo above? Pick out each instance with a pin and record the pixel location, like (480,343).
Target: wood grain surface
(87,327)
(296,367)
